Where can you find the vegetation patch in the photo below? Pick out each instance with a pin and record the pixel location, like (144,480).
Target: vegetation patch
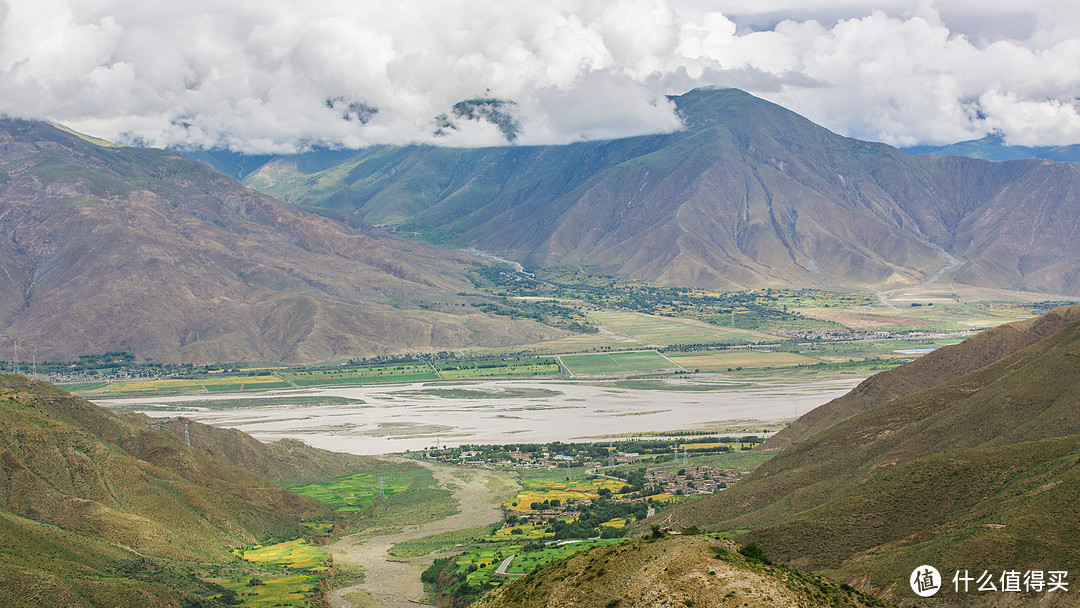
(355,493)
(293,590)
(446,541)
(296,554)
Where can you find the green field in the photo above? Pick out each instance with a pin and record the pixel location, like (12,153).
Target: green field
(525,563)
(356,493)
(609,364)
(655,329)
(295,554)
(488,556)
(293,590)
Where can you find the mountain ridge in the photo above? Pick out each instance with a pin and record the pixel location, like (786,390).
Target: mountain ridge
(747,195)
(140,250)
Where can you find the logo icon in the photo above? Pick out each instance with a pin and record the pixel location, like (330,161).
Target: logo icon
(925,581)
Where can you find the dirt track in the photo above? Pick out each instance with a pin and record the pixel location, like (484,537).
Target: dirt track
(392,582)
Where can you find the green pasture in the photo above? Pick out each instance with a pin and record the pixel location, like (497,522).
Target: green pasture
(604,364)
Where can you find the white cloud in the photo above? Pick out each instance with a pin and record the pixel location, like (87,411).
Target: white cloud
(257,75)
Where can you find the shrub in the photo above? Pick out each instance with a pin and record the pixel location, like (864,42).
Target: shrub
(753,552)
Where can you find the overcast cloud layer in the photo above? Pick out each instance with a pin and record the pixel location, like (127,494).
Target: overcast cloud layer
(274,75)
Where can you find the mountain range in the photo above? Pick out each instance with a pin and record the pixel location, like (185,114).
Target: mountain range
(746,195)
(107,248)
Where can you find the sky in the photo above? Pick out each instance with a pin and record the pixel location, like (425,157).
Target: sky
(276,76)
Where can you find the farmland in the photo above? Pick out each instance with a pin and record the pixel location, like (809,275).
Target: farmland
(292,580)
(356,493)
(544,492)
(617,363)
(295,554)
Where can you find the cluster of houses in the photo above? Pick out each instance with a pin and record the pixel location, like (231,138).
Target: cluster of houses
(693,480)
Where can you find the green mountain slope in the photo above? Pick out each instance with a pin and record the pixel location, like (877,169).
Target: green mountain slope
(95,510)
(747,195)
(977,472)
(944,364)
(109,248)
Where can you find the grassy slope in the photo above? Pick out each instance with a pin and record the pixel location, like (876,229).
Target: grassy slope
(98,511)
(977,472)
(674,571)
(934,368)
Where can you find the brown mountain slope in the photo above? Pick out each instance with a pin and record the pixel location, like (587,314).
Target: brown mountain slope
(978,472)
(929,370)
(114,248)
(95,510)
(747,195)
(674,571)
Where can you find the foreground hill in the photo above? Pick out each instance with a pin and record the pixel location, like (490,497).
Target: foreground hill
(95,510)
(674,571)
(747,195)
(947,363)
(109,248)
(976,472)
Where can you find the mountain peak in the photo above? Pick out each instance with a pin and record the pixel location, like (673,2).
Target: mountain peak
(702,108)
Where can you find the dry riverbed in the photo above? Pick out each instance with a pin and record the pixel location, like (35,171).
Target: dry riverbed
(392,582)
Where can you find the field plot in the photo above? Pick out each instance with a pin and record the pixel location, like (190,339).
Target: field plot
(296,554)
(523,564)
(652,329)
(728,359)
(294,590)
(642,362)
(357,492)
(542,366)
(539,491)
(291,590)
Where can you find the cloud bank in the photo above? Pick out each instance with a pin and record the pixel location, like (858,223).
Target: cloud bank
(281,75)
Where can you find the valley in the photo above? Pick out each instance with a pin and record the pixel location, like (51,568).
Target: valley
(415,374)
